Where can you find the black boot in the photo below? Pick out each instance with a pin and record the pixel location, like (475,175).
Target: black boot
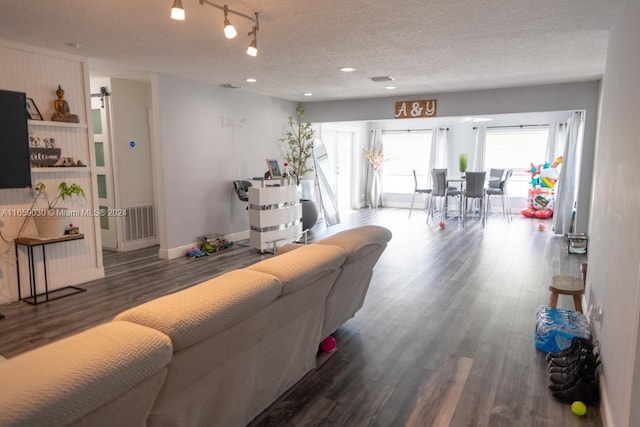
(576,344)
(584,354)
(586,360)
(571,382)
(584,390)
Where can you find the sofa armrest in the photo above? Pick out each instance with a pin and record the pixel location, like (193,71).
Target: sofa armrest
(64,382)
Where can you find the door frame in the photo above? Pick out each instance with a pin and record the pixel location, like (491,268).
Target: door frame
(109,151)
(355,132)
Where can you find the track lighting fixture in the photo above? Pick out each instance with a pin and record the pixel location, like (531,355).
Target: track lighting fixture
(252,50)
(229,30)
(177,12)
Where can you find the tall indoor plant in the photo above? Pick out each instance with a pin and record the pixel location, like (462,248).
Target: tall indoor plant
(299,143)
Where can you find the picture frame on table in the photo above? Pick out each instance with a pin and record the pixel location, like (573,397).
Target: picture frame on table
(274,168)
(32,110)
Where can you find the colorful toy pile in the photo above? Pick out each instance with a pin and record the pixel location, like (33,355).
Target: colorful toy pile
(209,245)
(541,194)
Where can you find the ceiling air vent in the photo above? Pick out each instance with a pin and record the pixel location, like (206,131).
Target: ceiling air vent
(228,86)
(381,79)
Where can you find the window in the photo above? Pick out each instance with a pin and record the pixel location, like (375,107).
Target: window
(516,149)
(405,151)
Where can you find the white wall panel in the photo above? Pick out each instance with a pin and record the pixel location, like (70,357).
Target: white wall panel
(38,74)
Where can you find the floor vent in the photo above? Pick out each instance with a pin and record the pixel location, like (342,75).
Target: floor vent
(139,223)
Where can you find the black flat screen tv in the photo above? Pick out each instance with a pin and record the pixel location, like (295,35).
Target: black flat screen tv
(15,165)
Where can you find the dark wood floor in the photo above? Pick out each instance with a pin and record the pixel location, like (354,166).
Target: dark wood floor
(445,337)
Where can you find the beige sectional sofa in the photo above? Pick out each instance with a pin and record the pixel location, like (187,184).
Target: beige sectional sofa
(106,376)
(215,354)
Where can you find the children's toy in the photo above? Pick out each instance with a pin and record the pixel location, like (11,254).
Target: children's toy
(541,194)
(329,344)
(195,253)
(211,243)
(579,408)
(207,247)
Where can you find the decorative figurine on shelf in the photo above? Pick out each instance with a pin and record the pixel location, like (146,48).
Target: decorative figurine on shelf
(62,113)
(71,229)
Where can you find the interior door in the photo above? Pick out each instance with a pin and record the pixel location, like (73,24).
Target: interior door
(339,146)
(101,112)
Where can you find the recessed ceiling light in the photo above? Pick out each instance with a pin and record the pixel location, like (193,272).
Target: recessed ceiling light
(347,69)
(73,45)
(250,80)
(390,87)
(307,94)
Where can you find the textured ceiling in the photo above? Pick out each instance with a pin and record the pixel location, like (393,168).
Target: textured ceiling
(428,46)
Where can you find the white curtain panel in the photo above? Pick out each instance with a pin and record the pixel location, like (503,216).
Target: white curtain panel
(479,149)
(374,200)
(556,141)
(438,156)
(567,182)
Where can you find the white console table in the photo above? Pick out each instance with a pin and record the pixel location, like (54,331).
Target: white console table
(275,216)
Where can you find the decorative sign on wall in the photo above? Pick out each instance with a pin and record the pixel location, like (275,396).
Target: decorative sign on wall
(414,109)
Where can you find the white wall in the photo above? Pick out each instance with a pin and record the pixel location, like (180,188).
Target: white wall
(131,101)
(38,73)
(560,97)
(613,279)
(208,137)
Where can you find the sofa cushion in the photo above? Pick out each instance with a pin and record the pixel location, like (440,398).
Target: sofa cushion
(62,382)
(359,242)
(305,265)
(194,314)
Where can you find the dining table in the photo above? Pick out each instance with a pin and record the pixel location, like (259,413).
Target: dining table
(460,181)
(455,182)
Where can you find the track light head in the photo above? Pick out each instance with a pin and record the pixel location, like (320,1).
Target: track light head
(229,30)
(252,50)
(177,11)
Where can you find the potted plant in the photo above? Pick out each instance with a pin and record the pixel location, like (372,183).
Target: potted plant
(299,141)
(463,163)
(52,222)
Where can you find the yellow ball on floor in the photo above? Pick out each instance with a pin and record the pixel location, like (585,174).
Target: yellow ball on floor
(579,408)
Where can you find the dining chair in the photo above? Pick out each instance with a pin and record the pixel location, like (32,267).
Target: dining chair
(501,190)
(241,188)
(474,189)
(443,191)
(417,190)
(496,176)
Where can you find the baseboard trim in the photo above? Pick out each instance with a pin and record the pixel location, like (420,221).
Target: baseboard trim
(181,251)
(605,407)
(137,244)
(76,278)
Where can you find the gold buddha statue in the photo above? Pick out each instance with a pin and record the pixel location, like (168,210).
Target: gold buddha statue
(61,106)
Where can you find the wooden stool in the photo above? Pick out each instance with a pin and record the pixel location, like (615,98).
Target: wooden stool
(566,285)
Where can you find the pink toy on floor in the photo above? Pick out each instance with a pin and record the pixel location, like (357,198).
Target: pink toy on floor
(329,344)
